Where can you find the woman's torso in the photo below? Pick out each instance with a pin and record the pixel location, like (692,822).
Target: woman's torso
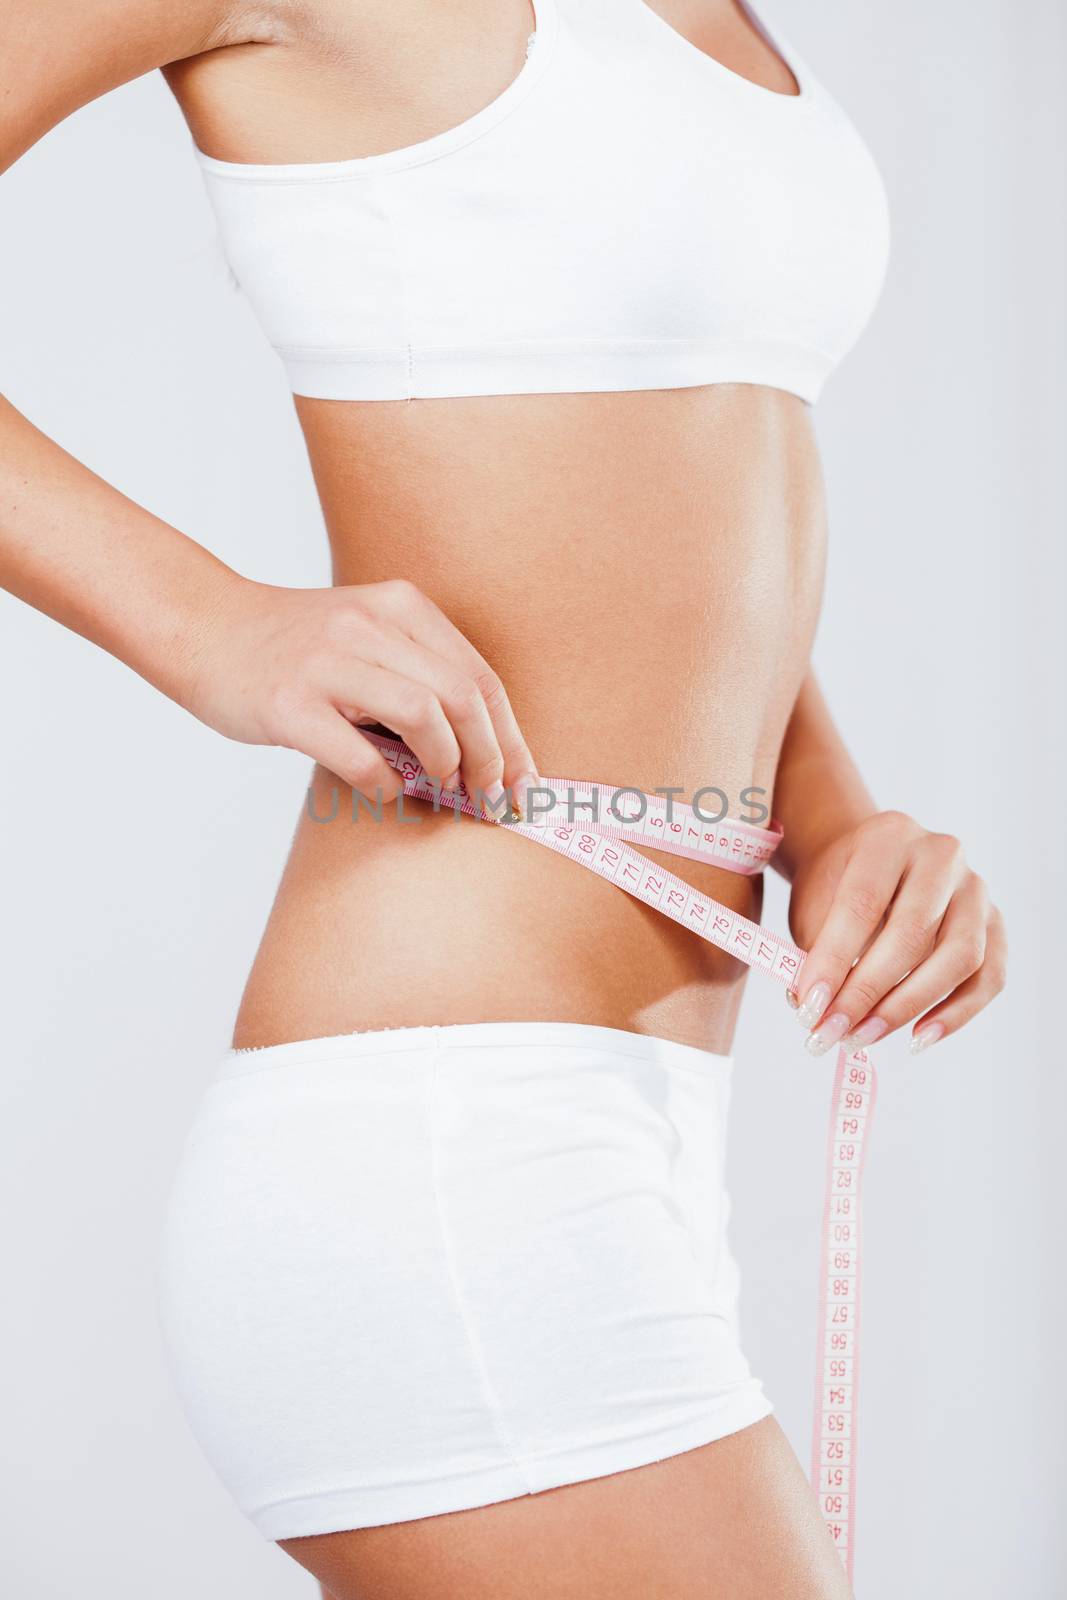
(643,569)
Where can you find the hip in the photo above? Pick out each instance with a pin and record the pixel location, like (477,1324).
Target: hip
(415,1269)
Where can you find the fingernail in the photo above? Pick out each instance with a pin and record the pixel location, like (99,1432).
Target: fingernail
(831,1032)
(454,781)
(867,1032)
(491,798)
(792,998)
(925,1037)
(520,791)
(815,1003)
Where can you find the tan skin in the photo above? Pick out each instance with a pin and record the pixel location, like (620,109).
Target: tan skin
(506,648)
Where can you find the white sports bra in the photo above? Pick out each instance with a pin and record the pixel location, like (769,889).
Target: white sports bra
(627,214)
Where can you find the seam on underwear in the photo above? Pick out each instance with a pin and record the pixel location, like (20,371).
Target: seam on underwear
(473,1343)
(310,1060)
(550,1453)
(416,1048)
(353,1033)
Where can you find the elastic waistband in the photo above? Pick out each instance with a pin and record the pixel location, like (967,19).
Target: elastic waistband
(475,1035)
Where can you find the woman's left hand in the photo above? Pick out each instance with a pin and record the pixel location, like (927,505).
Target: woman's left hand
(898,930)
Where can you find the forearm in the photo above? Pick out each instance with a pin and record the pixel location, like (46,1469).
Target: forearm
(818,793)
(77,549)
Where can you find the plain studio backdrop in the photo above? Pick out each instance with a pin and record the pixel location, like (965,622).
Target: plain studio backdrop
(139,851)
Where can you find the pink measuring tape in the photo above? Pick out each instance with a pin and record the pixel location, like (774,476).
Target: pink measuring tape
(599,843)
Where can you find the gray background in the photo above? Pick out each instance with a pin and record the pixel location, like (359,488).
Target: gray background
(139,851)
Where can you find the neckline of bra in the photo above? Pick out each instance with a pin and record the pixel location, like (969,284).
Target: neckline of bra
(541,46)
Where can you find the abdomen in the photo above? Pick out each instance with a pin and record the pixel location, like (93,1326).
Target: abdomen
(643,569)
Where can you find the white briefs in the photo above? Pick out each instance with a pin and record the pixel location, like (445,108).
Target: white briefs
(411,1271)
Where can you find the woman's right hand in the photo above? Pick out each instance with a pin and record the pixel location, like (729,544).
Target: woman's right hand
(300,667)
(261,664)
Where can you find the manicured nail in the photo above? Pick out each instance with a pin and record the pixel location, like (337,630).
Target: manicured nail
(491,798)
(792,998)
(815,1003)
(454,781)
(520,790)
(926,1037)
(831,1032)
(867,1033)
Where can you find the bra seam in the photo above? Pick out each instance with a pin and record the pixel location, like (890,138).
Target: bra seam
(532,348)
(402,258)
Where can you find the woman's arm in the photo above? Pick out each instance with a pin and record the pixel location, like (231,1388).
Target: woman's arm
(818,791)
(57,55)
(897,927)
(258,663)
(71,545)
(77,549)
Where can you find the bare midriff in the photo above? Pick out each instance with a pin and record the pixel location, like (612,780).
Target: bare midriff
(643,570)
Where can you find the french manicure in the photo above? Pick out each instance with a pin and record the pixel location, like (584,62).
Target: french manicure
(831,1032)
(925,1037)
(493,795)
(867,1032)
(520,791)
(815,1003)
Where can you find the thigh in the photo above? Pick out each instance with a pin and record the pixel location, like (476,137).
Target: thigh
(732,1520)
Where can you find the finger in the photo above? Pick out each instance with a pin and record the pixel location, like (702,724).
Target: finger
(863,894)
(958,953)
(460,707)
(913,930)
(415,614)
(406,704)
(971,997)
(323,734)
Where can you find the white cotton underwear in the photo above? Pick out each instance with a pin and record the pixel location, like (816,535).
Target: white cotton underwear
(423,1269)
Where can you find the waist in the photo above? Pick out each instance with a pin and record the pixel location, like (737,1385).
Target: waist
(643,572)
(421,919)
